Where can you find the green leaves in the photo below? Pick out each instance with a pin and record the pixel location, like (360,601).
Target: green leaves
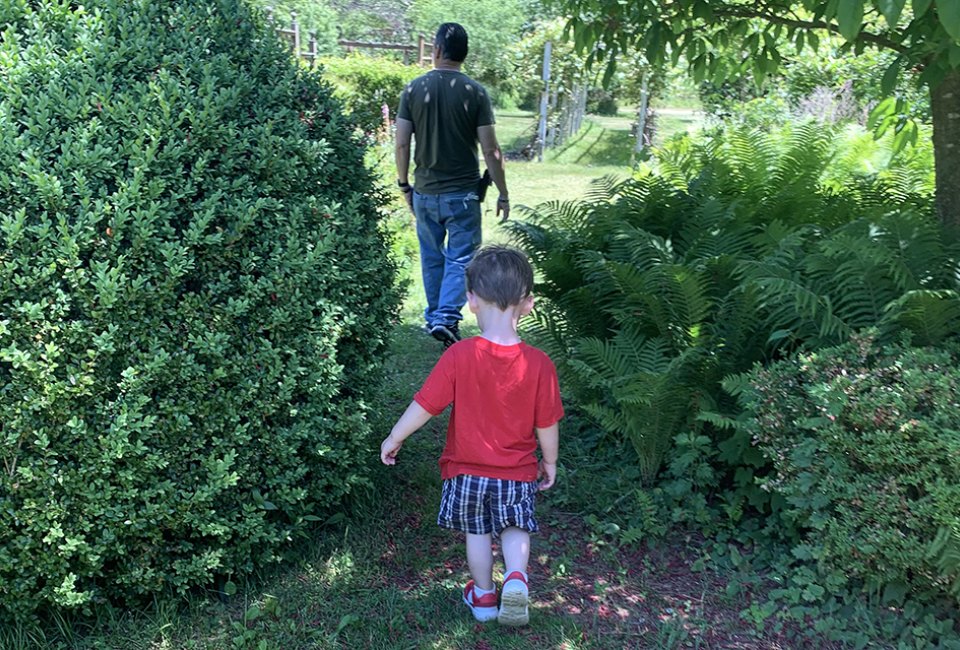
(920,7)
(891,10)
(873,478)
(949,15)
(889,80)
(189,254)
(366,83)
(850,18)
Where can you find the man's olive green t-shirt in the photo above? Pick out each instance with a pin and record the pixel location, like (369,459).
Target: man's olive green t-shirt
(446,108)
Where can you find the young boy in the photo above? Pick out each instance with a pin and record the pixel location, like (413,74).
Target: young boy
(505,399)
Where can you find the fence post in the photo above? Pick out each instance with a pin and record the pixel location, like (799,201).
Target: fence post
(555,123)
(641,116)
(544,97)
(313,48)
(585,90)
(295,28)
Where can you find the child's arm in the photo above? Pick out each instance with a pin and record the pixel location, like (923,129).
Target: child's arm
(549,439)
(412,419)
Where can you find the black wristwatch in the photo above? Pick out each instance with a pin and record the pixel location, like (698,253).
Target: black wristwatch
(405,187)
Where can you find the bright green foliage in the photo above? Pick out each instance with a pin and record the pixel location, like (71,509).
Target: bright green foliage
(721,39)
(728,39)
(193,295)
(365,83)
(492,26)
(864,442)
(733,252)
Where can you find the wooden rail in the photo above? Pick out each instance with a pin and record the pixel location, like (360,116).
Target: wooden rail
(292,34)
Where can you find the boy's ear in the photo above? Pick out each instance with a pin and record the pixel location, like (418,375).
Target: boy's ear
(526,305)
(472,301)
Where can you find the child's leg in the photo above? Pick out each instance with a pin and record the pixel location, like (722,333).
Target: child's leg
(514,597)
(480,560)
(515,545)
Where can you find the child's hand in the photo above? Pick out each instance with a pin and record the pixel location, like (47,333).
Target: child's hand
(388,450)
(546,474)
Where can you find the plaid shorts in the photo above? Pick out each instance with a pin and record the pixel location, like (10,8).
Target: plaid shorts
(480,505)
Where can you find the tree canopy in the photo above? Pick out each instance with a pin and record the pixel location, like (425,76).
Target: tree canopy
(722,39)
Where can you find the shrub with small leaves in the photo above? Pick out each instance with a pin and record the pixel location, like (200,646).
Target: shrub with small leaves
(864,442)
(193,294)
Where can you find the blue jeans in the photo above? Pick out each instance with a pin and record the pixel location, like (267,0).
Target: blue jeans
(449,230)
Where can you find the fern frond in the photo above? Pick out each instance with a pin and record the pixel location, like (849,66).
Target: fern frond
(932,316)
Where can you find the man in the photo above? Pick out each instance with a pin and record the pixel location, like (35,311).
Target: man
(449,113)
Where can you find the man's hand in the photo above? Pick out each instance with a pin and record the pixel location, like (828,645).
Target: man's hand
(503,209)
(388,450)
(546,474)
(408,197)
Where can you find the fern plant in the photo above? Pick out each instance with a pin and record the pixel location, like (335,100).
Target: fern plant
(728,252)
(648,391)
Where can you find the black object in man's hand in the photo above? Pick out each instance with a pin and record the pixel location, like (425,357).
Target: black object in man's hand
(485,182)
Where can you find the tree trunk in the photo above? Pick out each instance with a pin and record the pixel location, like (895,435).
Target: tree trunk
(945,107)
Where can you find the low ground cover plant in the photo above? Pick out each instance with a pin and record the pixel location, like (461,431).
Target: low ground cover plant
(731,252)
(194,295)
(862,440)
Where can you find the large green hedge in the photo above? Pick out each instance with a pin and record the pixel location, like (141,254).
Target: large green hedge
(193,294)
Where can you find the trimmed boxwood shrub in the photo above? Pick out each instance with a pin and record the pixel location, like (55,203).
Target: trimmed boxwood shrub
(194,292)
(864,443)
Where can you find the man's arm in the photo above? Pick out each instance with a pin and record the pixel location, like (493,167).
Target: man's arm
(401,155)
(494,160)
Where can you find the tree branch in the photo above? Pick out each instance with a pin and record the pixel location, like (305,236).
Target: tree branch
(766,13)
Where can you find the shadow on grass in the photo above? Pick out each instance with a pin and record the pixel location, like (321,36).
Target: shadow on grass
(595,145)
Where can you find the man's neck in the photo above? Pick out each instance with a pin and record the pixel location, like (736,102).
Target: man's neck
(447,64)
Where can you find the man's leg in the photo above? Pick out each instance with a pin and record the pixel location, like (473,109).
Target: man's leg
(460,215)
(430,234)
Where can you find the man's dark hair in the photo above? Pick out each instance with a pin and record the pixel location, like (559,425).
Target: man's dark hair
(452,40)
(501,275)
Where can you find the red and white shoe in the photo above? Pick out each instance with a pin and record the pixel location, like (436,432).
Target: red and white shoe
(514,601)
(484,607)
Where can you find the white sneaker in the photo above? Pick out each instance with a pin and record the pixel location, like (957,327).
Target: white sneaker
(484,607)
(514,601)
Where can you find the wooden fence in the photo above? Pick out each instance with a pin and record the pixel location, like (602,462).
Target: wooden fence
(561,113)
(292,34)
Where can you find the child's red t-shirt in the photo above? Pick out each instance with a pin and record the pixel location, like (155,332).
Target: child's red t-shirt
(499,394)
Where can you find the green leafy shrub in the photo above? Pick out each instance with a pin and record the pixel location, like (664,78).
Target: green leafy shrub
(193,294)
(864,441)
(862,73)
(365,83)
